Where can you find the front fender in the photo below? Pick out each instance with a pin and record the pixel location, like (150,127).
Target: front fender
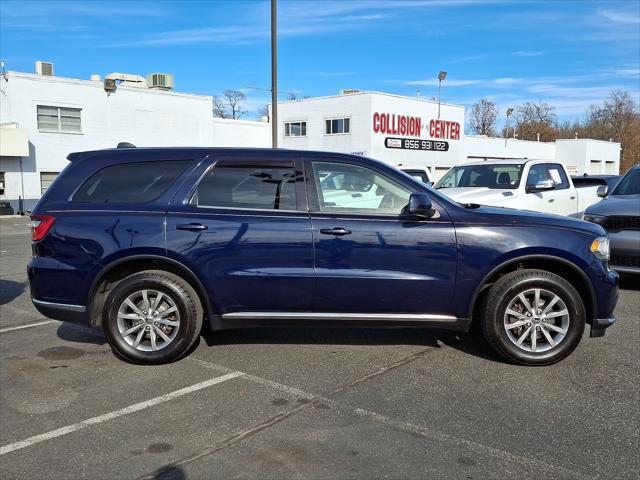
(484,251)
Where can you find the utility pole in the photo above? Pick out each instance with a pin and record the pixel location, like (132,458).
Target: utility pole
(274,78)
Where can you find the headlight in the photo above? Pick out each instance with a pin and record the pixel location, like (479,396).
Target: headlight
(599,219)
(600,248)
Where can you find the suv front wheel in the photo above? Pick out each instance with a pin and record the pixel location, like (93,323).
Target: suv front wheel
(533,317)
(152,317)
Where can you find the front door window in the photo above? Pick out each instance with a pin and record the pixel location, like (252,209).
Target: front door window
(346,188)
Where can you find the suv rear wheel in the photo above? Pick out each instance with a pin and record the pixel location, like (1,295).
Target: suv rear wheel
(533,317)
(152,317)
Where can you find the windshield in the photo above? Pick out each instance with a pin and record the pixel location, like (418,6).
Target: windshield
(630,184)
(496,176)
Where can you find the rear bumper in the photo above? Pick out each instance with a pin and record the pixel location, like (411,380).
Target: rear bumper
(599,325)
(62,311)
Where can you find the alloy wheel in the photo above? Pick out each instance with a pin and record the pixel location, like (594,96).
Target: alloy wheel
(536,320)
(148,320)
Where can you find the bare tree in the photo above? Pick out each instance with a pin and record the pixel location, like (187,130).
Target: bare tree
(234,100)
(570,129)
(535,118)
(229,105)
(264,111)
(292,96)
(483,117)
(617,119)
(219,108)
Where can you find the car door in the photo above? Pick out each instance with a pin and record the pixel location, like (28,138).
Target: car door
(565,198)
(241,223)
(556,200)
(370,257)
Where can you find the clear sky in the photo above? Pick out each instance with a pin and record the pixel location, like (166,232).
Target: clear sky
(568,53)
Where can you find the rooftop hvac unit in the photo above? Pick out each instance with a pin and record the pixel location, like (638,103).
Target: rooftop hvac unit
(163,81)
(44,68)
(348,91)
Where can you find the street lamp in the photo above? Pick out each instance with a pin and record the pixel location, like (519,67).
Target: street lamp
(441,76)
(509,112)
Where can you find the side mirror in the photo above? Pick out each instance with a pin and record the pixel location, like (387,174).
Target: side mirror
(602,191)
(420,205)
(541,186)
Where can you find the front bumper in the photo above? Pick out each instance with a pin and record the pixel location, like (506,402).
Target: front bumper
(625,251)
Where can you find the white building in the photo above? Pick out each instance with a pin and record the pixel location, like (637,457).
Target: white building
(378,125)
(44,118)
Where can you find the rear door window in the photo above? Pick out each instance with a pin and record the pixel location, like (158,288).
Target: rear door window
(138,182)
(248,186)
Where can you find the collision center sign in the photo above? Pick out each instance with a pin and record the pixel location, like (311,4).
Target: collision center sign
(410,126)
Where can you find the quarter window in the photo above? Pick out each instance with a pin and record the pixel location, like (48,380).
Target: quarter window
(295,129)
(344,188)
(248,187)
(337,126)
(46,179)
(130,182)
(59,119)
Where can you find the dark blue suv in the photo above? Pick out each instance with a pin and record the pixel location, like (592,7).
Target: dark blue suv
(151,243)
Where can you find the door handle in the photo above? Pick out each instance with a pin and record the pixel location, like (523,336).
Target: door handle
(192,227)
(339,231)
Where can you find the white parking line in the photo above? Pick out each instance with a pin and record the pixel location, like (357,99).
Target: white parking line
(20,327)
(262,381)
(424,432)
(118,413)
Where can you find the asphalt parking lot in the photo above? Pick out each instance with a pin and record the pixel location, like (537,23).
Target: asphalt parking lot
(321,403)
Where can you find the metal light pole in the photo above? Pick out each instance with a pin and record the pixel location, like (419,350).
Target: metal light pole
(506,137)
(441,76)
(274,78)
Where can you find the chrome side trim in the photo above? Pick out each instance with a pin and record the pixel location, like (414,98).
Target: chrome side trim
(394,317)
(60,306)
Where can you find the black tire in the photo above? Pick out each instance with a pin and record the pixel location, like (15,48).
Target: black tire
(179,292)
(500,297)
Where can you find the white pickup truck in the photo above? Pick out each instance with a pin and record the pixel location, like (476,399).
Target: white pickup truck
(540,185)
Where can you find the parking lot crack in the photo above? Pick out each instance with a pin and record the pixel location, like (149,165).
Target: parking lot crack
(312,402)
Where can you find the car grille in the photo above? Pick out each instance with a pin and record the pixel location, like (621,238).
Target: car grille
(622,223)
(625,261)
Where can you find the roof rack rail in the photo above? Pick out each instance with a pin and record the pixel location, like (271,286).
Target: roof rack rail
(125,145)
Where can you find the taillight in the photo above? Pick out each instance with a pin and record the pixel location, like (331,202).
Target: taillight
(40,226)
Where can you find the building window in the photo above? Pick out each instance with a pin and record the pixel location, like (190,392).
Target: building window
(295,129)
(337,126)
(1,184)
(46,179)
(59,119)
